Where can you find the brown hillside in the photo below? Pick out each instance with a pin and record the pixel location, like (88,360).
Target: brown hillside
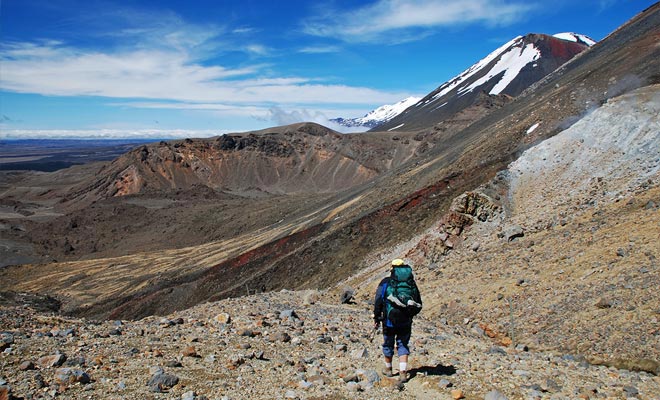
(301,158)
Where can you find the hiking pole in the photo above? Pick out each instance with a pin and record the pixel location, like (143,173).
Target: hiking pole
(373,333)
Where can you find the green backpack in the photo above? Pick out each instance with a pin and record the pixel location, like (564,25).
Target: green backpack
(401,296)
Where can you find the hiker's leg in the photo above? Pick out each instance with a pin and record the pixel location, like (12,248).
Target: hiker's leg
(388,344)
(388,350)
(402,340)
(403,360)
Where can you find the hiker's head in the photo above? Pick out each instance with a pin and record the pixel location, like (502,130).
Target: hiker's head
(398,263)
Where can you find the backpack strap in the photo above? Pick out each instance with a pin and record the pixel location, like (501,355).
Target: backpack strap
(382,293)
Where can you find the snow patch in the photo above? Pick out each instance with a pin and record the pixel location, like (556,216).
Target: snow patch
(456,81)
(387,112)
(396,127)
(441,105)
(381,114)
(575,37)
(532,128)
(511,63)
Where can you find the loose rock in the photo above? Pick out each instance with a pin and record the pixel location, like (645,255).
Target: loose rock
(162,382)
(66,376)
(495,395)
(54,360)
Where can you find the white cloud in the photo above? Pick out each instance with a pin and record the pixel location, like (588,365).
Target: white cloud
(284,117)
(276,115)
(258,49)
(244,30)
(107,133)
(160,61)
(51,69)
(320,49)
(215,108)
(406,20)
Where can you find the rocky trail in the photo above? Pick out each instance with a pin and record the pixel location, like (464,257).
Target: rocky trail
(303,345)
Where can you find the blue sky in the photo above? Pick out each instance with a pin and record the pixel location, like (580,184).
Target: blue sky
(201,68)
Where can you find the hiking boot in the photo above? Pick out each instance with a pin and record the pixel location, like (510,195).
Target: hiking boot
(387,372)
(403,377)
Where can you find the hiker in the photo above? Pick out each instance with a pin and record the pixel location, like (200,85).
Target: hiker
(397,302)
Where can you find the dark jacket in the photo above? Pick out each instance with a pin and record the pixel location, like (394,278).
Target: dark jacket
(379,301)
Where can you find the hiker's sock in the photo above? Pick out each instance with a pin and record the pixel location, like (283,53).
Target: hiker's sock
(403,366)
(388,365)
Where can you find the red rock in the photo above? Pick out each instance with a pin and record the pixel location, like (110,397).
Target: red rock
(26,366)
(51,361)
(190,352)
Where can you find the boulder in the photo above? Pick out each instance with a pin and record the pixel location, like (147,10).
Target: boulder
(67,376)
(26,366)
(160,383)
(513,232)
(347,295)
(6,340)
(54,360)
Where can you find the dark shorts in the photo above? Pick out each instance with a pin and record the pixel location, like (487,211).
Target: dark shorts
(399,334)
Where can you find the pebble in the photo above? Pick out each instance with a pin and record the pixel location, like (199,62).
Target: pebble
(353,387)
(223,318)
(495,395)
(444,384)
(359,353)
(190,352)
(603,303)
(631,391)
(291,314)
(156,370)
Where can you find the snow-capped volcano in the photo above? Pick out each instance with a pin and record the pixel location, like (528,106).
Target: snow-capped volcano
(509,70)
(378,116)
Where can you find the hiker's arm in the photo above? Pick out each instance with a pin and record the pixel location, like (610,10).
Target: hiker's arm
(378,305)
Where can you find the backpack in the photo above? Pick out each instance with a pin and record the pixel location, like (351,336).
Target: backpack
(401,295)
